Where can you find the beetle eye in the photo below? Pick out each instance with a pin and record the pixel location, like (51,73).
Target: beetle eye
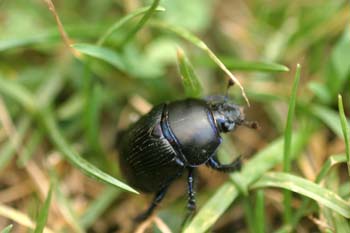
(229,126)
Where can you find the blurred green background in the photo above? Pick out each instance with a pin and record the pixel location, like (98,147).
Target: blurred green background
(59,104)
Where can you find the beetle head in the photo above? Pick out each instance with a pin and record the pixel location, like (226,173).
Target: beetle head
(228,115)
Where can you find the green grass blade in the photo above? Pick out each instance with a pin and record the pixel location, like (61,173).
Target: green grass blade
(345,129)
(287,144)
(260,212)
(43,214)
(19,93)
(91,114)
(241,65)
(98,206)
(102,53)
(34,141)
(306,188)
(123,21)
(190,80)
(304,207)
(249,214)
(328,117)
(26,42)
(65,205)
(141,23)
(70,154)
(252,171)
(234,64)
(200,44)
(341,224)
(212,209)
(9,149)
(46,118)
(331,161)
(7,229)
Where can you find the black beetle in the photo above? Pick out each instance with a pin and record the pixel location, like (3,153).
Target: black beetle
(174,137)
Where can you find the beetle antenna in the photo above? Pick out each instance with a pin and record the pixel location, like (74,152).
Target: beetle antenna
(229,84)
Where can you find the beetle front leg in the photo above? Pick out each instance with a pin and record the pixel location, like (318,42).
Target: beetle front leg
(157,199)
(231,167)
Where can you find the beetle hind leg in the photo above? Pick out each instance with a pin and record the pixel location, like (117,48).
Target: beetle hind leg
(236,165)
(156,200)
(191,204)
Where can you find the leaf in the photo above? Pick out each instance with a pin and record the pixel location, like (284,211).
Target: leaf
(190,80)
(307,188)
(102,53)
(43,214)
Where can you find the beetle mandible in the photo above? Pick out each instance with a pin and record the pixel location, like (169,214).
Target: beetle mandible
(174,137)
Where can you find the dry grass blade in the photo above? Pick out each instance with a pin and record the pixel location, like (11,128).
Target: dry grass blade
(19,217)
(64,35)
(161,225)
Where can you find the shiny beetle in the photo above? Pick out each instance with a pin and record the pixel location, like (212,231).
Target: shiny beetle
(174,137)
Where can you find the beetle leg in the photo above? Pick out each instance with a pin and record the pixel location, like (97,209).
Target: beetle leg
(157,199)
(191,204)
(231,167)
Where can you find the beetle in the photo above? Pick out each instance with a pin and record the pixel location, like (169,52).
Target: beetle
(175,137)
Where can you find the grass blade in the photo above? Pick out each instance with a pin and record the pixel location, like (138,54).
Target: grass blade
(102,53)
(90,170)
(249,214)
(190,80)
(98,206)
(19,93)
(331,161)
(123,21)
(328,117)
(287,144)
(252,171)
(46,118)
(9,150)
(260,212)
(200,44)
(34,141)
(234,64)
(306,188)
(26,42)
(141,23)
(345,129)
(241,65)
(43,214)
(341,224)
(7,229)
(19,217)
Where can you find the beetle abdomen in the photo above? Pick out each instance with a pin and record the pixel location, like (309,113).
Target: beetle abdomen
(146,155)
